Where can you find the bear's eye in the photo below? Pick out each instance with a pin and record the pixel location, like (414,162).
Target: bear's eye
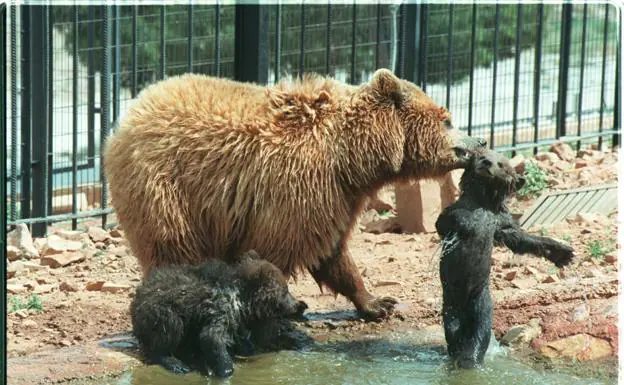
(447,124)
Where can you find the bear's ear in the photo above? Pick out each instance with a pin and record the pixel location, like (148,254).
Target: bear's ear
(520,181)
(387,86)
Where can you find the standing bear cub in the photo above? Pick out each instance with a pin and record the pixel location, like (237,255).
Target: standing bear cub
(198,314)
(206,166)
(469,228)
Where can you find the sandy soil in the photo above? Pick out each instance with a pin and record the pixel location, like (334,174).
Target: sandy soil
(399,265)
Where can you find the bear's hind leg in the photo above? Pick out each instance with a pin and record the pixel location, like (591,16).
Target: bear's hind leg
(476,330)
(340,274)
(214,340)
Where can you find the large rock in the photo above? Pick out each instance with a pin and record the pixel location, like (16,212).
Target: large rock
(563,151)
(419,203)
(549,157)
(57,245)
(21,239)
(581,347)
(522,334)
(98,234)
(64,259)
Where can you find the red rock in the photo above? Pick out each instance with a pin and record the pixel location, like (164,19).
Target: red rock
(510,275)
(109,287)
(552,278)
(563,151)
(548,157)
(580,164)
(531,270)
(94,286)
(64,259)
(611,258)
(68,287)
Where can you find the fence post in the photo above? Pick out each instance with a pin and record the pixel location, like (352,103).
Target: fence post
(105,101)
(3,211)
(251,45)
(39,118)
(564,64)
(410,42)
(25,111)
(617,110)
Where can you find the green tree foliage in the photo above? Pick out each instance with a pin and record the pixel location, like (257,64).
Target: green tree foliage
(367,29)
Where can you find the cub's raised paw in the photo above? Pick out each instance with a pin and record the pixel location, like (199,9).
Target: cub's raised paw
(559,254)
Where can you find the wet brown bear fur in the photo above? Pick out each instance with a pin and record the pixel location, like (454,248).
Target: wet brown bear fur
(199,314)
(208,166)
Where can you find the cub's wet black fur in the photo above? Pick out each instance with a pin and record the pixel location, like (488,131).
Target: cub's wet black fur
(198,315)
(468,230)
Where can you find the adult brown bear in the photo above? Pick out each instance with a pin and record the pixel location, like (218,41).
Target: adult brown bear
(206,166)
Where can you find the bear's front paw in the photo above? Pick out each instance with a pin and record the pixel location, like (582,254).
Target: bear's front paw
(378,308)
(560,254)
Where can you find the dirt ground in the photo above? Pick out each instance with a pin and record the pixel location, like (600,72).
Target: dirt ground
(89,299)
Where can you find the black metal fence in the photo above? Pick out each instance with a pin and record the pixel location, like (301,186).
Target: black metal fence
(521,75)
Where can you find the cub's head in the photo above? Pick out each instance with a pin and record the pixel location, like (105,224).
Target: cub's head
(431,145)
(265,289)
(491,173)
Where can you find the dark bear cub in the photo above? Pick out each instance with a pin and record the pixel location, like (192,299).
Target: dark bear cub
(198,315)
(468,230)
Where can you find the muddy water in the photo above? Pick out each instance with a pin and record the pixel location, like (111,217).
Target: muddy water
(405,358)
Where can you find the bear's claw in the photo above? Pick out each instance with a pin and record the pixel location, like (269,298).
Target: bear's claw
(378,308)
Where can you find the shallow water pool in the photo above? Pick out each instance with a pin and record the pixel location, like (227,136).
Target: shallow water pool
(394,359)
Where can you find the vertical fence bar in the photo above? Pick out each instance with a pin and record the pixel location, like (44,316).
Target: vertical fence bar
(75,118)
(302,40)
(617,110)
(328,37)
(39,76)
(218,39)
(278,41)
(564,64)
(449,58)
(3,84)
(135,32)
(251,45)
(604,67)
(25,121)
(50,113)
(116,62)
(537,74)
(514,134)
(105,102)
(494,69)
(13,211)
(410,41)
(90,84)
(424,40)
(473,41)
(163,46)
(403,41)
(353,39)
(189,42)
(579,108)
(377,35)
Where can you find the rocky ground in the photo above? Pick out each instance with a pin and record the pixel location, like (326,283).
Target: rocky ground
(74,287)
